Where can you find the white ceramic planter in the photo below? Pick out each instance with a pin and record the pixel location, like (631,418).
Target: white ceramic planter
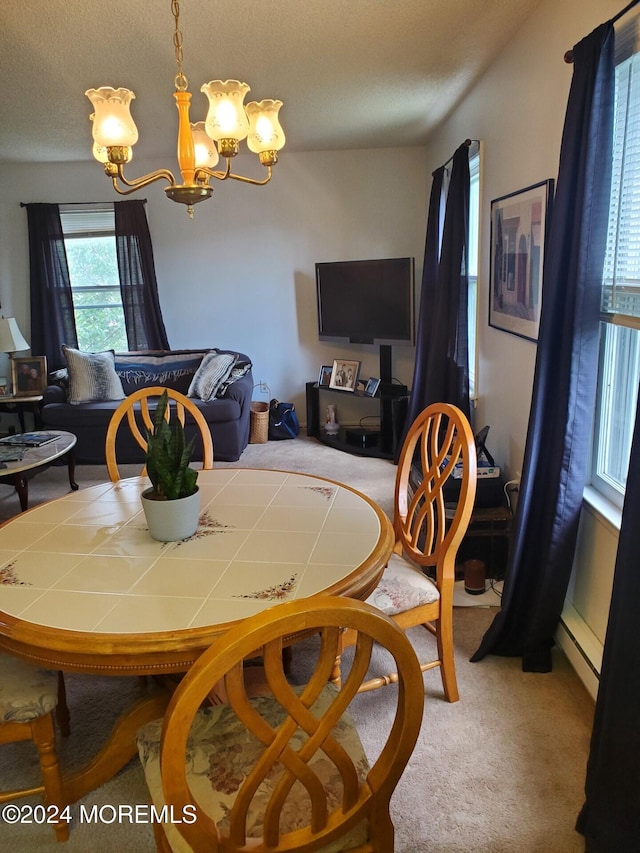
(170,521)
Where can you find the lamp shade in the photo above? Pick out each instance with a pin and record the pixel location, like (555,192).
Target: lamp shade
(112,121)
(11,339)
(226,118)
(206,151)
(265,131)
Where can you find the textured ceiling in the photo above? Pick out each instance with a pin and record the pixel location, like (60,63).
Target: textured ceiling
(351,73)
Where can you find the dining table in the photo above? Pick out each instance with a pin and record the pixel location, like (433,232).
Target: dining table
(85,588)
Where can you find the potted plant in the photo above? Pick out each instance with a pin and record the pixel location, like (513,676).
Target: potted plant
(172,503)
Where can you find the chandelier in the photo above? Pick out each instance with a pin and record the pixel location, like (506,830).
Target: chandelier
(200,145)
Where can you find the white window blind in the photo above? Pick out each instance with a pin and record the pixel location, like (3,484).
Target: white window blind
(79,220)
(621,280)
(619,369)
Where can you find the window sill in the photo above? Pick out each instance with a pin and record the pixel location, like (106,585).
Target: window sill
(602,508)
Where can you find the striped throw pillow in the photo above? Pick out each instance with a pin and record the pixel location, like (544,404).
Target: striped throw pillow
(92,376)
(213,371)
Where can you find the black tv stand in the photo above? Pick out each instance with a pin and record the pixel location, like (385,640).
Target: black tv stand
(362,442)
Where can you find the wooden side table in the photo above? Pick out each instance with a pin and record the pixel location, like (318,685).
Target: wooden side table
(21,404)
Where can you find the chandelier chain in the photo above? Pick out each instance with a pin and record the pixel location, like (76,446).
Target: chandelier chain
(180,81)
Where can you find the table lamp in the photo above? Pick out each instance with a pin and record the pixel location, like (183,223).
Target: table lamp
(11,339)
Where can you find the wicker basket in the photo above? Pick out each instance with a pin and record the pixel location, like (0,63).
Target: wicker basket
(259,431)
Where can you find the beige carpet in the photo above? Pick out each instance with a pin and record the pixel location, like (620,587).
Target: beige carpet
(501,770)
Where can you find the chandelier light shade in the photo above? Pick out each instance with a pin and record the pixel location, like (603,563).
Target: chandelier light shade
(265,133)
(226,118)
(200,144)
(112,122)
(206,153)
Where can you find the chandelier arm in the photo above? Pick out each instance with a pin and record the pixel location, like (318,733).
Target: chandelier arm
(252,181)
(202,171)
(143,181)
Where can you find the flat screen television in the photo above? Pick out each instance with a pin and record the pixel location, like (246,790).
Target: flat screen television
(366,302)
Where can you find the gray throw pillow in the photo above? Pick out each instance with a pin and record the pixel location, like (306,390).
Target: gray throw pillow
(92,376)
(213,371)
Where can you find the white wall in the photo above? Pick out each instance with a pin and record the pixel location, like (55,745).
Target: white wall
(517,110)
(241,274)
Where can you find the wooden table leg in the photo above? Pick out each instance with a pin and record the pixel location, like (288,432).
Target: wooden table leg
(22,488)
(118,750)
(71,465)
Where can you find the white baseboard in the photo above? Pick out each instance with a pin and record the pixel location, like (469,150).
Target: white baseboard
(581,646)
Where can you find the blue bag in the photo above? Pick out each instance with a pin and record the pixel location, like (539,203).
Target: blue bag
(283,421)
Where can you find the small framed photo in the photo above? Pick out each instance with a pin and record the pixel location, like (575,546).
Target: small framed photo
(344,375)
(324,376)
(29,375)
(371,388)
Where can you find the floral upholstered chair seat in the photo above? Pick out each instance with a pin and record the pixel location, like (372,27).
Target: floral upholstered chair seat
(28,697)
(25,691)
(402,587)
(220,752)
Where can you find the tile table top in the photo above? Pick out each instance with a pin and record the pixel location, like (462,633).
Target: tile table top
(86,562)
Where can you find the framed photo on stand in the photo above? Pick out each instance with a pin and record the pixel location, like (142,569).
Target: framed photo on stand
(518,238)
(324,376)
(29,375)
(344,375)
(371,388)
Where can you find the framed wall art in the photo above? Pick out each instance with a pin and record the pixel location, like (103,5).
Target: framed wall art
(518,235)
(29,375)
(344,375)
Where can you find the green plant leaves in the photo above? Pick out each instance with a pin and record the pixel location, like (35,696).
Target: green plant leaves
(168,456)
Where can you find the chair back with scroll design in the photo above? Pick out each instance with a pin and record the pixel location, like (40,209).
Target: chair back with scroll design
(284,770)
(140,416)
(417,586)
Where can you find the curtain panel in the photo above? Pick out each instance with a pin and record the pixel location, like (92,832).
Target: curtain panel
(610,817)
(52,319)
(419,390)
(138,284)
(441,372)
(560,421)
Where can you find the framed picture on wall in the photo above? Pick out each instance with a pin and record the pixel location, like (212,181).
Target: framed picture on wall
(29,375)
(518,238)
(344,375)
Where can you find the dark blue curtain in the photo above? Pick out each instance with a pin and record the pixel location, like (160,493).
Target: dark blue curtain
(561,416)
(427,299)
(52,320)
(138,285)
(441,372)
(610,818)
(52,317)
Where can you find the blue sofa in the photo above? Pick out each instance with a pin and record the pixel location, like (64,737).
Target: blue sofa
(228,414)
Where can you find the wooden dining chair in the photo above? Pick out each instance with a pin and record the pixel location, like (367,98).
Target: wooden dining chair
(28,698)
(428,534)
(139,415)
(284,770)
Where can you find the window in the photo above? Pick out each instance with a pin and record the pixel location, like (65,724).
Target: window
(472,262)
(90,244)
(619,370)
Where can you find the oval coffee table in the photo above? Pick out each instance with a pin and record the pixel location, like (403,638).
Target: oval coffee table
(35,459)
